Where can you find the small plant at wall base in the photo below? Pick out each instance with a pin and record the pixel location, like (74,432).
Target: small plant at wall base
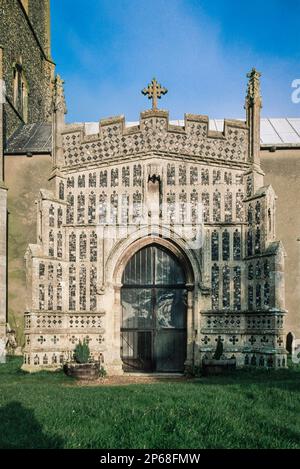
(82,352)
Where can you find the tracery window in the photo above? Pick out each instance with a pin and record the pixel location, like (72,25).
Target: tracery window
(81,181)
(102,208)
(237,288)
(114,207)
(194,207)
(72,288)
(238,179)
(51,243)
(93,247)
(59,244)
(182,206)
(93,288)
(258,296)
(59,273)
(51,216)
(82,288)
(250,215)
(228,178)
(70,182)
(103,178)
(239,205)
(217,206)
(225,245)
(267,294)
(226,286)
(205,205)
(250,272)
(215,286)
(216,176)
(61,191)
(92,180)
(250,297)
(215,246)
(249,243)
(171,174)
(205,177)
(237,245)
(228,206)
(50,271)
(59,297)
(258,271)
(80,208)
(50,297)
(257,241)
(193,175)
(82,246)
(171,205)
(70,209)
(126,176)
(92,208)
(182,175)
(72,247)
(59,217)
(257,212)
(266,269)
(125,209)
(137,207)
(137,175)
(41,297)
(114,177)
(20,91)
(41,270)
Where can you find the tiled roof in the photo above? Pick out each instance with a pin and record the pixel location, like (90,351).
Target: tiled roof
(30,138)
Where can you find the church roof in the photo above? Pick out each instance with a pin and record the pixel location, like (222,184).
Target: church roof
(37,138)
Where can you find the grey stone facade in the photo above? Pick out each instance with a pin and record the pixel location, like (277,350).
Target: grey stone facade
(197,194)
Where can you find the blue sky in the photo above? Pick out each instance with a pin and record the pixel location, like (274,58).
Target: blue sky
(201,50)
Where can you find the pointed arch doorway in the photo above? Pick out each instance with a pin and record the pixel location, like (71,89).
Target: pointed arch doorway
(154,312)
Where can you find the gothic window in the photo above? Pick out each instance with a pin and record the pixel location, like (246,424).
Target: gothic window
(70,182)
(215,285)
(239,205)
(137,207)
(215,246)
(257,212)
(72,288)
(59,297)
(93,288)
(102,208)
(114,177)
(250,297)
(171,202)
(72,247)
(126,176)
(249,186)
(93,247)
(92,208)
(59,217)
(228,206)
(50,297)
(50,271)
(225,245)
(250,272)
(205,206)
(267,294)
(250,215)
(171,174)
(114,207)
(103,178)
(70,209)
(82,246)
(20,89)
(249,243)
(258,296)
(82,288)
(182,175)
(41,270)
(194,207)
(228,178)
(182,206)
(81,181)
(137,175)
(59,273)
(193,175)
(257,271)
(125,209)
(59,244)
(51,216)
(51,244)
(237,245)
(80,208)
(216,176)
(237,288)
(226,286)
(204,177)
(61,191)
(257,241)
(266,269)
(41,297)
(217,206)
(92,180)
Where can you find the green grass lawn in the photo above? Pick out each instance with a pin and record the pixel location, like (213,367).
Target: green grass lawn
(258,409)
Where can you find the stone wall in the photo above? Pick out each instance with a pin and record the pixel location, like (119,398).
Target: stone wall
(26,40)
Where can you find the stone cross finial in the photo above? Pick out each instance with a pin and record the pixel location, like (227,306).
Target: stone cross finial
(154,91)
(253,90)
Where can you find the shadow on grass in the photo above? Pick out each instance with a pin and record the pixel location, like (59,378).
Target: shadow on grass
(19,429)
